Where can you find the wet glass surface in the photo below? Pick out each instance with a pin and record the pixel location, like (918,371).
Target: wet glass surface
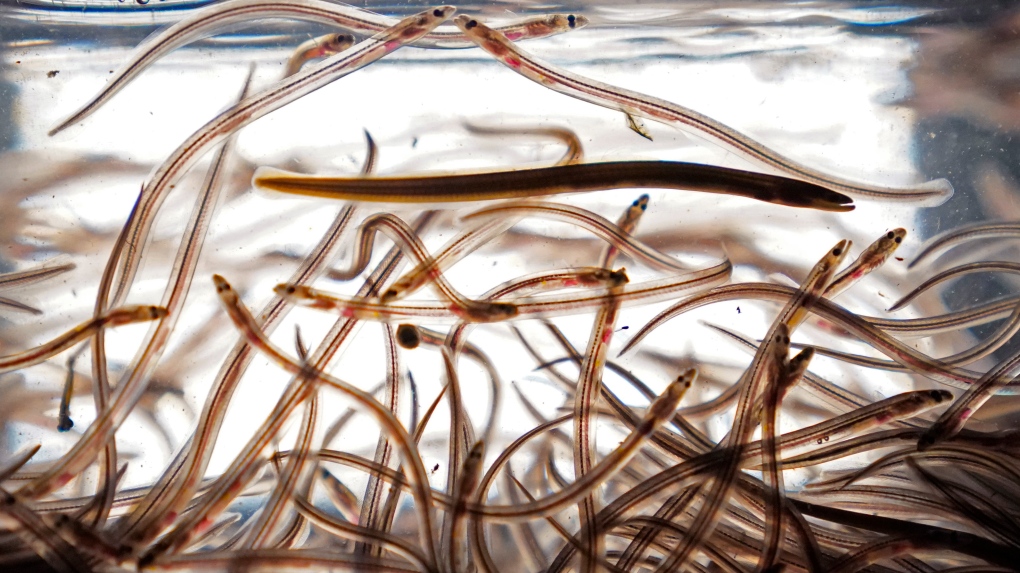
(890,93)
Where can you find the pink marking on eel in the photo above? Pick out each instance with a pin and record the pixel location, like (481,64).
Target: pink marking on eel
(203,525)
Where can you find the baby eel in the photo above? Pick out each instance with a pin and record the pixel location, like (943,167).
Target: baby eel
(289,479)
(839,399)
(767,365)
(15,305)
(904,354)
(315,48)
(64,421)
(463,492)
(251,108)
(636,104)
(589,386)
(211,19)
(401,233)
(438,340)
(172,500)
(34,275)
(870,259)
(172,490)
(694,471)
(627,222)
(361,533)
(935,543)
(178,285)
(369,514)
(530,307)
(453,251)
(573,154)
(558,179)
(660,410)
(1003,334)
(968,503)
(279,560)
(343,499)
(949,239)
(955,417)
(416,474)
(28,277)
(765,370)
(962,270)
(615,235)
(16,461)
(40,536)
(116,317)
(560,530)
(775,487)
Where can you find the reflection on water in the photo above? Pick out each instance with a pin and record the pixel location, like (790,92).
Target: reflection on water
(893,94)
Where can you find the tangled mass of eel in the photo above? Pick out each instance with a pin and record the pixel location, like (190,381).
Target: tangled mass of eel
(621,455)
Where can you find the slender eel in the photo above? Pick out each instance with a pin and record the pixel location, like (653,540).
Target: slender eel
(529,307)
(315,48)
(573,154)
(27,277)
(658,412)
(963,409)
(228,15)
(859,327)
(543,181)
(627,222)
(962,270)
(462,493)
(871,258)
(589,386)
(765,369)
(116,317)
(633,103)
(772,472)
(618,237)
(414,471)
(251,108)
(1008,230)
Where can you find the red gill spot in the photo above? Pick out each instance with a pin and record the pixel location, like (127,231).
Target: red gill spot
(206,523)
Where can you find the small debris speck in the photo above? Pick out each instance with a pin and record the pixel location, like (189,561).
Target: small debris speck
(52,73)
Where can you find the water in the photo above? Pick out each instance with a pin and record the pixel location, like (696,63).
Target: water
(892,94)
